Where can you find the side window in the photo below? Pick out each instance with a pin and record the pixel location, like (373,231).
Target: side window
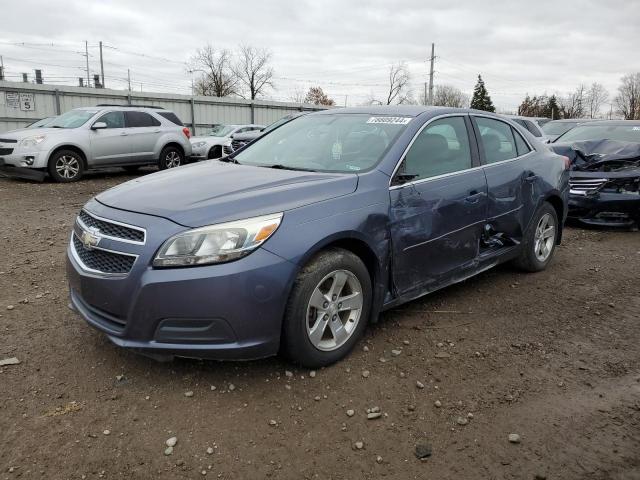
(496,140)
(442,147)
(532,128)
(112,119)
(172,117)
(521,145)
(140,119)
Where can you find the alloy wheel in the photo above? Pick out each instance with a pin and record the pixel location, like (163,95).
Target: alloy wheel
(172,159)
(334,310)
(67,166)
(545,237)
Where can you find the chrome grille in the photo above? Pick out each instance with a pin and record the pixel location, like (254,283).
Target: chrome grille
(8,140)
(103,261)
(236,144)
(585,186)
(227,150)
(107,228)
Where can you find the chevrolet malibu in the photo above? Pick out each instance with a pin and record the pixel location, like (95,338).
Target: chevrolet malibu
(300,239)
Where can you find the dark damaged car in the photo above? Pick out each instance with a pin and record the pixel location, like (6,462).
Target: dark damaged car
(303,237)
(605,172)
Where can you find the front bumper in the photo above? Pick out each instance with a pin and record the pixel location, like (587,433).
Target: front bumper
(606,209)
(24,164)
(226,311)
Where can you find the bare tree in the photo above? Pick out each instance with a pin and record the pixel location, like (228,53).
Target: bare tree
(317,96)
(596,96)
(253,70)
(573,105)
(627,102)
(399,79)
(218,79)
(298,95)
(449,96)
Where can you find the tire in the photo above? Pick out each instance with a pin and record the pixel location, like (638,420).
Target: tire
(131,168)
(213,150)
(66,166)
(535,254)
(170,157)
(319,336)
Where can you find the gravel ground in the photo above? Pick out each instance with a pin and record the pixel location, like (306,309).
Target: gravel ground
(551,357)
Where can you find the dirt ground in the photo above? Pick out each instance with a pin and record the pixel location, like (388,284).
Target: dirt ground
(552,357)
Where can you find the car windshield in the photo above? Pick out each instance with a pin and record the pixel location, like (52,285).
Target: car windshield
(221,131)
(326,143)
(40,123)
(72,119)
(557,128)
(623,133)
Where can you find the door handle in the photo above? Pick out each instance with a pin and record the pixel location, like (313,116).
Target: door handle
(156,131)
(124,134)
(531,178)
(474,197)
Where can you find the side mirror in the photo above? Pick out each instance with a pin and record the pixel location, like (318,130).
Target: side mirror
(99,126)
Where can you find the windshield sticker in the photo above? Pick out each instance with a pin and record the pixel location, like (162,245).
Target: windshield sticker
(390,120)
(352,167)
(636,128)
(336,151)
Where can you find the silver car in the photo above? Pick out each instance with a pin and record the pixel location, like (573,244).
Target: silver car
(96,137)
(210,145)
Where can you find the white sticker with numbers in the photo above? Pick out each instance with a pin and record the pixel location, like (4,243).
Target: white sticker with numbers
(390,120)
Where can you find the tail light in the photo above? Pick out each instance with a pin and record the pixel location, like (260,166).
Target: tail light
(187,132)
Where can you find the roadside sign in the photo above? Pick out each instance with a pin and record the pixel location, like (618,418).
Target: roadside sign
(27,102)
(13,99)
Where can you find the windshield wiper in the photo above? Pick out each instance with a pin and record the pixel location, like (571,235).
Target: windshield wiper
(279,166)
(229,159)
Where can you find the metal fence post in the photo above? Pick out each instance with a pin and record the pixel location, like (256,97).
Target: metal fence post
(253,112)
(56,93)
(193,117)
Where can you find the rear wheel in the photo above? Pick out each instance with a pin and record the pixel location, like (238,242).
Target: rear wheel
(170,157)
(66,166)
(215,152)
(539,243)
(328,309)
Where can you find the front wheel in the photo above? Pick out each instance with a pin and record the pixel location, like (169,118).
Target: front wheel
(539,243)
(66,166)
(328,309)
(170,157)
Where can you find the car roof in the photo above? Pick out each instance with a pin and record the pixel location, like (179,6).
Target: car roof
(403,110)
(125,107)
(573,120)
(524,117)
(615,123)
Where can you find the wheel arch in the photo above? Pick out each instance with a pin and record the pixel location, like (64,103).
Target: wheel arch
(558,205)
(73,148)
(173,144)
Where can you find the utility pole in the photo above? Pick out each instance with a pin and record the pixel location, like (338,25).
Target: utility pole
(433,57)
(86,54)
(426,98)
(1,68)
(101,65)
(129,78)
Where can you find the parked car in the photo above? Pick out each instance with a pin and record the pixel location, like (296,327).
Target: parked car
(239,140)
(210,145)
(605,172)
(95,137)
(303,237)
(532,124)
(555,128)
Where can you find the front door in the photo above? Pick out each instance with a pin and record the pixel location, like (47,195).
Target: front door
(109,145)
(438,208)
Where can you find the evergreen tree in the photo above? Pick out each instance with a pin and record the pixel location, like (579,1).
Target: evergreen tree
(553,109)
(481,99)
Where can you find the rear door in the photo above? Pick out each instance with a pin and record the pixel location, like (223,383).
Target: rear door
(438,207)
(143,131)
(109,145)
(510,178)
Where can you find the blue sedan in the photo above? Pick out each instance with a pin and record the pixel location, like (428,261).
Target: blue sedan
(297,241)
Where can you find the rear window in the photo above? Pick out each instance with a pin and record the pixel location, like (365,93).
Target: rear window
(141,119)
(172,117)
(532,128)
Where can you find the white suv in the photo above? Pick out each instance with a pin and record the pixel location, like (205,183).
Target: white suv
(96,137)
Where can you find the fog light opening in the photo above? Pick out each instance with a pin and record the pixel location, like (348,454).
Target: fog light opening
(28,160)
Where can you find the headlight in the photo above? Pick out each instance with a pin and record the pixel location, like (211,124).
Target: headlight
(32,141)
(217,243)
(199,144)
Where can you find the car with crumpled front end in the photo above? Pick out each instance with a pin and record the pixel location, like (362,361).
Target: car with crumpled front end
(303,237)
(605,172)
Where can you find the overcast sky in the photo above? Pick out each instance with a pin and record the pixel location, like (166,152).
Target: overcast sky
(345,46)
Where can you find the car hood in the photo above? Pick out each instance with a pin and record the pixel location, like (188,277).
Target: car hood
(30,132)
(600,155)
(213,192)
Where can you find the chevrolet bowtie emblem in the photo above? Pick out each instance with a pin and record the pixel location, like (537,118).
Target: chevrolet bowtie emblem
(90,238)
